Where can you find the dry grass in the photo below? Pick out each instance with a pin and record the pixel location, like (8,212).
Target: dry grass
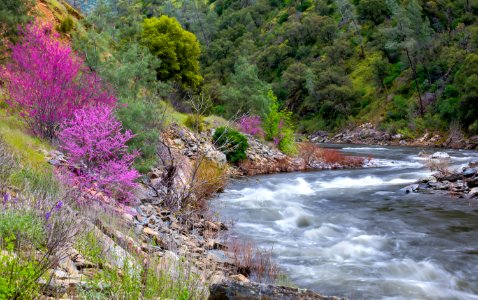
(313,154)
(310,152)
(210,178)
(438,165)
(253,262)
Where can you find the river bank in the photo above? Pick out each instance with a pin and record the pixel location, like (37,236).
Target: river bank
(161,231)
(368,134)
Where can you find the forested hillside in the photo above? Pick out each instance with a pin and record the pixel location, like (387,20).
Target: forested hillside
(408,66)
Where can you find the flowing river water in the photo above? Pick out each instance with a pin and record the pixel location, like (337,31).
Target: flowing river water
(353,233)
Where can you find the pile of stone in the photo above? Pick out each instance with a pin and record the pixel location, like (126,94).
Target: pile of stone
(236,290)
(264,159)
(462,183)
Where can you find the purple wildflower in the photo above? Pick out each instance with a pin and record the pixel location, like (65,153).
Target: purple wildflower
(48,215)
(6,196)
(58,206)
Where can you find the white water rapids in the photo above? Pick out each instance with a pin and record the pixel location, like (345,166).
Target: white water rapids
(353,233)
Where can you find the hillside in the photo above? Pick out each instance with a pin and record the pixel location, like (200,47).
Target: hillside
(104,185)
(406,66)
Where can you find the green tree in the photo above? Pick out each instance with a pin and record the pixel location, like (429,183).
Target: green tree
(245,93)
(373,10)
(178,50)
(380,69)
(294,81)
(411,34)
(12,14)
(466,81)
(278,126)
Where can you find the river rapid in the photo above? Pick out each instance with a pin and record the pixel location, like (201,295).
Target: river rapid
(354,233)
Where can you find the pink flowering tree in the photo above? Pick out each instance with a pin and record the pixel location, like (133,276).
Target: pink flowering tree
(96,150)
(47,81)
(251,125)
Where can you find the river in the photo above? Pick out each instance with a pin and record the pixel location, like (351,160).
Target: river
(353,233)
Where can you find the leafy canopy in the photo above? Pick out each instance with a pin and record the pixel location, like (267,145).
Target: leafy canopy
(177,48)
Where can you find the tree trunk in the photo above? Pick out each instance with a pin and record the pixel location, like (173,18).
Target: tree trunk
(422,111)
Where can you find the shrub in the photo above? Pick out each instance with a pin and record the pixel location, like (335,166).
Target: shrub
(253,262)
(251,125)
(47,82)
(278,127)
(66,25)
(440,165)
(311,153)
(35,233)
(195,122)
(335,157)
(96,148)
(210,178)
(142,119)
(232,143)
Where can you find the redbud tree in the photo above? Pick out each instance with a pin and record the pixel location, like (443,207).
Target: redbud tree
(251,125)
(47,81)
(95,145)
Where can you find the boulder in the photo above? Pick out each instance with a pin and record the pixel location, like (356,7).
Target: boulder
(440,155)
(473,193)
(468,172)
(235,290)
(412,188)
(472,182)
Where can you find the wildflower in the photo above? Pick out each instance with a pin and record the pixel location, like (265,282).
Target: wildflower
(48,215)
(5,198)
(58,206)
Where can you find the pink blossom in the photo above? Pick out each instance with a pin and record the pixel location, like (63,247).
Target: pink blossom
(47,81)
(251,125)
(95,145)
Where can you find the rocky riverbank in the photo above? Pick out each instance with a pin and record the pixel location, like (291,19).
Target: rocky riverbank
(165,233)
(368,134)
(462,183)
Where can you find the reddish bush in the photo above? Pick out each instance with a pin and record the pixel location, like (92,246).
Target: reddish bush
(311,153)
(334,156)
(253,262)
(96,149)
(251,125)
(47,81)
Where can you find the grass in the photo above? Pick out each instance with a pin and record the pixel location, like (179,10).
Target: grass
(28,149)
(158,278)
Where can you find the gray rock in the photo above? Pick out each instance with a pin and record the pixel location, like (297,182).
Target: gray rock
(439,185)
(473,193)
(412,188)
(472,182)
(440,155)
(468,172)
(235,290)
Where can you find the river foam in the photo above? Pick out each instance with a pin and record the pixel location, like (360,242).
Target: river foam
(353,233)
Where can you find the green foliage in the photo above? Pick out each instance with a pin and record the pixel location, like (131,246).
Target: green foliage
(168,279)
(18,277)
(245,93)
(66,25)
(21,225)
(373,10)
(142,119)
(232,143)
(278,127)
(177,48)
(195,122)
(12,14)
